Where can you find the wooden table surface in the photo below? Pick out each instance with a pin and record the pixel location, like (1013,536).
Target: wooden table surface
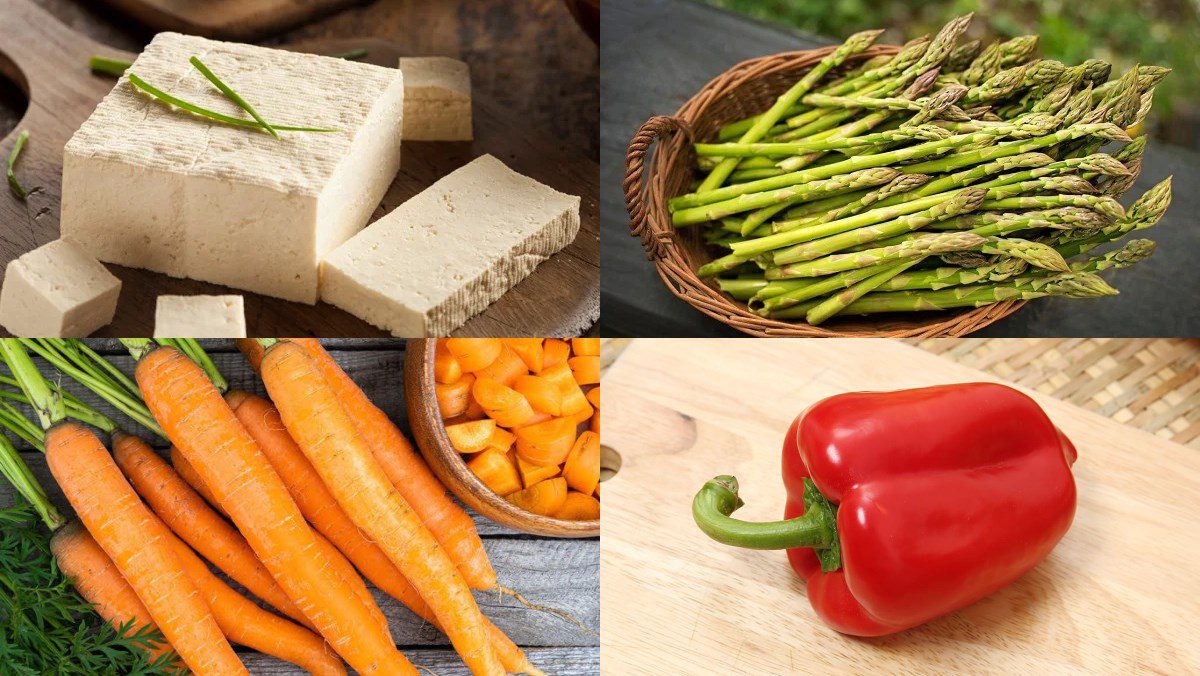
(558,573)
(1119,594)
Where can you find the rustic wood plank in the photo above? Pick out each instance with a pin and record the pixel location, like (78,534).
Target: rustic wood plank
(557,661)
(560,298)
(228,19)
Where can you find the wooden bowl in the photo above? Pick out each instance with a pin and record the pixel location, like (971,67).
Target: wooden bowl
(425,420)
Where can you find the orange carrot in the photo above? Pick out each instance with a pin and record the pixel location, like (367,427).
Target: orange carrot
(532,473)
(528,349)
(138,544)
(585,347)
(545,497)
(246,624)
(593,396)
(471,437)
(98,581)
(542,394)
(546,443)
(582,469)
(474,353)
(321,427)
(200,423)
(188,473)
(496,471)
(455,397)
(502,403)
(446,368)
(501,439)
(554,352)
(190,517)
(405,468)
(578,507)
(319,507)
(586,369)
(505,368)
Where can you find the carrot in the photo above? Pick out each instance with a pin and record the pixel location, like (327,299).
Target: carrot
(98,581)
(546,443)
(188,516)
(138,544)
(545,497)
(200,423)
(405,468)
(582,469)
(188,473)
(312,413)
(474,353)
(528,349)
(505,369)
(574,400)
(532,473)
(578,507)
(585,347)
(496,471)
(586,369)
(319,507)
(454,398)
(554,352)
(446,368)
(501,439)
(471,437)
(593,396)
(501,403)
(542,394)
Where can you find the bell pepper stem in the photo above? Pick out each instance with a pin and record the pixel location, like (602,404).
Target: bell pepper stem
(815,529)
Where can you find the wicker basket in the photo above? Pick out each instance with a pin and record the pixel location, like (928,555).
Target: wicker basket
(746,89)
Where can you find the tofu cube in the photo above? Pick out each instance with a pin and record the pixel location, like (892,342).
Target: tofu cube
(446,254)
(57,291)
(199,317)
(437,99)
(150,186)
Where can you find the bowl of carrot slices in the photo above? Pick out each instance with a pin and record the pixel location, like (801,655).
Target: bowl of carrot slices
(512,427)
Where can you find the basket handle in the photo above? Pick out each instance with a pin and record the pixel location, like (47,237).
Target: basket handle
(659,126)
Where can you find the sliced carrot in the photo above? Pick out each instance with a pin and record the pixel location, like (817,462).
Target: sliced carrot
(453,399)
(578,507)
(546,443)
(446,368)
(528,349)
(595,426)
(593,396)
(532,473)
(471,437)
(545,497)
(474,411)
(543,394)
(582,469)
(554,351)
(573,398)
(474,353)
(501,440)
(585,347)
(505,368)
(496,471)
(586,369)
(502,403)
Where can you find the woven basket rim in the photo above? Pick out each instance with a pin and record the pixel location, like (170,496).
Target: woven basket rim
(666,249)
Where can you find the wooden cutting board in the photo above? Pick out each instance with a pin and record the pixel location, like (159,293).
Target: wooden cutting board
(1119,594)
(49,62)
(228,19)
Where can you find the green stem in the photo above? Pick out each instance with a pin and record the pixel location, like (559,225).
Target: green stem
(21,477)
(232,95)
(46,403)
(267,342)
(105,66)
(816,529)
(210,114)
(138,347)
(13,184)
(351,55)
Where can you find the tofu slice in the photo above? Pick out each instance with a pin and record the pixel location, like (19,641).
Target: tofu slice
(149,186)
(446,254)
(199,317)
(437,99)
(57,291)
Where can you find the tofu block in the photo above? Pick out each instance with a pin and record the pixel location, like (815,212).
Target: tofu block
(448,253)
(149,186)
(57,291)
(199,317)
(437,99)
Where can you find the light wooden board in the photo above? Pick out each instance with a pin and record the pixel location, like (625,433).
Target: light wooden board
(1119,594)
(49,61)
(558,573)
(228,19)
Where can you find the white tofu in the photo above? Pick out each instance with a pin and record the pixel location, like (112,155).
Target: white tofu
(446,254)
(149,186)
(437,99)
(57,291)
(199,317)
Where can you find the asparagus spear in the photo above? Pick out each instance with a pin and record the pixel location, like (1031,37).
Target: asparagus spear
(984,66)
(904,134)
(925,245)
(1100,203)
(899,185)
(962,56)
(840,301)
(855,44)
(1017,50)
(891,103)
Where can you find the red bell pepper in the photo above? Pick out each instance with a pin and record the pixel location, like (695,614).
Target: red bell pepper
(905,506)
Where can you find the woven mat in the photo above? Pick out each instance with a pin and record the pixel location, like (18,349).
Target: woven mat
(1151,384)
